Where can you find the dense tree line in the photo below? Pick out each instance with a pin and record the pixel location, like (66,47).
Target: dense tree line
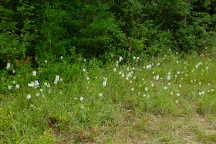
(99,28)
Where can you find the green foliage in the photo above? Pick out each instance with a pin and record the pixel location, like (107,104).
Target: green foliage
(10,47)
(150,40)
(53,34)
(97,29)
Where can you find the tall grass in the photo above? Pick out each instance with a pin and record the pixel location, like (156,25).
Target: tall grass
(69,96)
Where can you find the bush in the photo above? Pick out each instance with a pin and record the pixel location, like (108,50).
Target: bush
(10,49)
(97,29)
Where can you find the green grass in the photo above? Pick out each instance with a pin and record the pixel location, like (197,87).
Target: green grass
(168,99)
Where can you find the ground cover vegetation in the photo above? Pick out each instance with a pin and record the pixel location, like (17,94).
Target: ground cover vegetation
(165,100)
(107,71)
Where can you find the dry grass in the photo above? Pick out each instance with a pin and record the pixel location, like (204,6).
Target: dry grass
(148,129)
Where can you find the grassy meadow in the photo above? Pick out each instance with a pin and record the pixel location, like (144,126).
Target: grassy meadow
(169,99)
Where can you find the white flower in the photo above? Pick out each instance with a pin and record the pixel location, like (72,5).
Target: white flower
(157,77)
(13,71)
(123,75)
(61,57)
(81,98)
(130,74)
(132,89)
(197,65)
(171,93)
(114,69)
(8,66)
(45,61)
(201,93)
(84,70)
(47,84)
(10,87)
(120,58)
(57,79)
(87,78)
(105,82)
(17,86)
(34,84)
(28,97)
(149,66)
(34,73)
(31,84)
(178,94)
(165,87)
(100,94)
(134,58)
